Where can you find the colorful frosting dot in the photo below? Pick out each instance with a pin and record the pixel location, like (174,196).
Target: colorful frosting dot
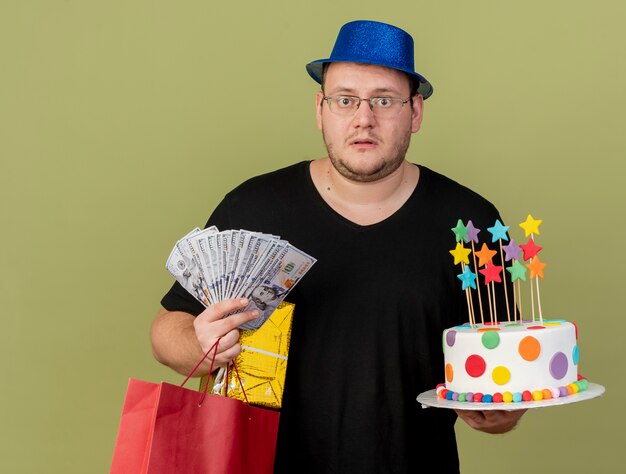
(462,397)
(451,337)
(563,392)
(478,397)
(469,396)
(497,397)
(449,373)
(555,392)
(537,395)
(536,327)
(529,348)
(507,397)
(517,397)
(547,394)
(527,396)
(501,375)
(475,365)
(558,365)
(490,339)
(575,355)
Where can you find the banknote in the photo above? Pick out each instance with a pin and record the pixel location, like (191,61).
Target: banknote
(268,292)
(186,270)
(214,265)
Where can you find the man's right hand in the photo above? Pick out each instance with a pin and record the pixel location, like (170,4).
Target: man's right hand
(211,325)
(179,340)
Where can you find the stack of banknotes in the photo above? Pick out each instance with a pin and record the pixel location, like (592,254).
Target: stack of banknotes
(216,265)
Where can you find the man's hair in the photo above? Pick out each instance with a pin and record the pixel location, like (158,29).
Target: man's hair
(413,81)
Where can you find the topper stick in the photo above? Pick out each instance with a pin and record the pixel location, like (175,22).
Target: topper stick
(472,307)
(489,299)
(539,301)
(518,296)
(468,298)
(495,308)
(532,297)
(506,296)
(537,285)
(469,307)
(480,302)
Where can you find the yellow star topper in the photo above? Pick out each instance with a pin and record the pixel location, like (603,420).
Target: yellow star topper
(531,226)
(460,254)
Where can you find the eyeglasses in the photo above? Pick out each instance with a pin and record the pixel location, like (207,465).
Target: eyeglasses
(381,107)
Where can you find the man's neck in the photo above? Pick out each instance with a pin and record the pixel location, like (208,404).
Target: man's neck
(364,203)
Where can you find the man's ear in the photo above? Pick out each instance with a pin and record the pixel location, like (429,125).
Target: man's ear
(418,112)
(318,108)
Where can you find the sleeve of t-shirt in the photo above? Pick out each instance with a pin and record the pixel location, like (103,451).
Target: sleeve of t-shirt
(178,298)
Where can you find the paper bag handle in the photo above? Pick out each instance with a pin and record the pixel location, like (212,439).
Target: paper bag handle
(206,386)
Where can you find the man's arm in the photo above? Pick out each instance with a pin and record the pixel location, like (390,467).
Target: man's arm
(491,421)
(179,340)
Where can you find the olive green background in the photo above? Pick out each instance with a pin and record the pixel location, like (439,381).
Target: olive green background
(123,123)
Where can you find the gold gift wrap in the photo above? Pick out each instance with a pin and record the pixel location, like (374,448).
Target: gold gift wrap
(262,363)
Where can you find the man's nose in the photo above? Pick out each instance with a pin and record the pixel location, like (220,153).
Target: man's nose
(364,115)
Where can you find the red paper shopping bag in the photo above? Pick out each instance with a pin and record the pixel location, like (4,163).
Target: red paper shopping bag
(136,427)
(170,429)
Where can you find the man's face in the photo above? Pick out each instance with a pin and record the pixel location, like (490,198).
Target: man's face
(364,147)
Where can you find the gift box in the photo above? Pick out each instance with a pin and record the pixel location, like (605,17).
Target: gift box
(262,363)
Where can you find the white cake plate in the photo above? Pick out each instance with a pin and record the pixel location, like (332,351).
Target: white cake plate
(430,399)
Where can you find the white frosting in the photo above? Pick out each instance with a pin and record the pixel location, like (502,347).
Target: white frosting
(557,350)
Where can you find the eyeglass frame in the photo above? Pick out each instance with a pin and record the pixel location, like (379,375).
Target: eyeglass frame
(369,100)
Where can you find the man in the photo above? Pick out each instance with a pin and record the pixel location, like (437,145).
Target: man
(369,315)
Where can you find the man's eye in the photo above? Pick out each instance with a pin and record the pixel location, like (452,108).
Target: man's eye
(345,101)
(384,102)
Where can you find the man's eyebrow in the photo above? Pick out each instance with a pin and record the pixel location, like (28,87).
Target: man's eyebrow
(385,90)
(375,93)
(343,90)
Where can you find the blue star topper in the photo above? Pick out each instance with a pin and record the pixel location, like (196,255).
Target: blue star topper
(498,231)
(468,278)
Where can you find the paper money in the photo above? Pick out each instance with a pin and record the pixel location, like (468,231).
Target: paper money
(215,265)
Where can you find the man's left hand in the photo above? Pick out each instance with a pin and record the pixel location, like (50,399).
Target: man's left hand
(491,421)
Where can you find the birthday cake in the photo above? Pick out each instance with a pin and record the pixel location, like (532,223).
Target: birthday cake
(514,360)
(511,362)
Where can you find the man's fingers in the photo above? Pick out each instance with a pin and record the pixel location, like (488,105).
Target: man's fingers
(229,354)
(211,324)
(471,417)
(228,340)
(219,310)
(236,320)
(491,421)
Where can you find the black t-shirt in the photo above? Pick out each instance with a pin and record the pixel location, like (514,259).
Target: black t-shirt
(367,330)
